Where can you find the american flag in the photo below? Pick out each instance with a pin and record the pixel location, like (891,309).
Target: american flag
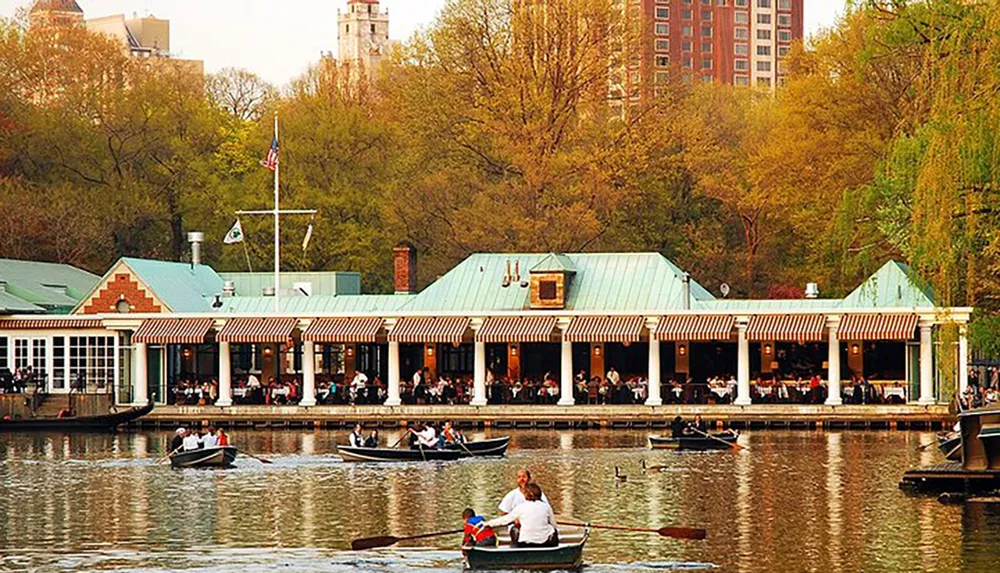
(271,161)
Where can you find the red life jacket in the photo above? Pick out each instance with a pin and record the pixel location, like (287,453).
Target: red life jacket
(476,533)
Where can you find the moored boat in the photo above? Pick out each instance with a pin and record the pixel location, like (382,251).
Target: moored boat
(485,448)
(950,445)
(217,457)
(568,555)
(723,441)
(102,422)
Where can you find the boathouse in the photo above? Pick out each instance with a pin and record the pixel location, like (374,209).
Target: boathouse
(157,329)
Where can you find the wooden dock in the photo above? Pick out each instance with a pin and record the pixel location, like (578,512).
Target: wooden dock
(757,416)
(949,478)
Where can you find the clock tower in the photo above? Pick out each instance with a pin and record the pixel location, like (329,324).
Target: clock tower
(363,34)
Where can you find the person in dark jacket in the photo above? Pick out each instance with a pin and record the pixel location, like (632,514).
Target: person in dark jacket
(178,440)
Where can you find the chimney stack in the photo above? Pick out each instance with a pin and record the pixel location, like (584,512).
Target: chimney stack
(196,239)
(404,262)
(812,290)
(228,288)
(686,292)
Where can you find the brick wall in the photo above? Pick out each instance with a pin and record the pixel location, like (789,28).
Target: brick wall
(121,287)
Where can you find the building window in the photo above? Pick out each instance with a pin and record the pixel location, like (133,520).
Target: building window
(662,13)
(740,65)
(785,20)
(347,28)
(686,78)
(4,365)
(663,77)
(686,14)
(763,18)
(764,82)
(706,63)
(663,29)
(742,34)
(706,47)
(706,32)
(784,36)
(706,2)
(686,46)
(686,30)
(742,17)
(739,3)
(373,29)
(687,1)
(784,4)
(39,358)
(706,15)
(763,66)
(686,61)
(93,358)
(763,50)
(763,3)
(741,80)
(707,78)
(662,45)
(741,49)
(20,354)
(763,34)
(662,61)
(783,51)
(59,362)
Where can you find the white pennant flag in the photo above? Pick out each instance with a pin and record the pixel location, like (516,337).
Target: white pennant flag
(308,237)
(235,235)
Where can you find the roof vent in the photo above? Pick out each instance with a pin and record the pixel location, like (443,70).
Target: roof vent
(812,290)
(268,291)
(686,282)
(229,288)
(196,239)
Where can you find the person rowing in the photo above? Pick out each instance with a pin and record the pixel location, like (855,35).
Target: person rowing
(537,521)
(178,442)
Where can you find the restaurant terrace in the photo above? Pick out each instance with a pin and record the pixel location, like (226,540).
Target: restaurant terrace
(511,328)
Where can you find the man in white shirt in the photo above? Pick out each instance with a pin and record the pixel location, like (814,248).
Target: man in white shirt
(355,439)
(427,437)
(192,441)
(210,440)
(537,522)
(515,497)
(613,377)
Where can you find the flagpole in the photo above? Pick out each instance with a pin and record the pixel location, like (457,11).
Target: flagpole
(277,236)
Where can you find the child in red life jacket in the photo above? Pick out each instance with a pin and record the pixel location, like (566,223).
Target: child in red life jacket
(477,533)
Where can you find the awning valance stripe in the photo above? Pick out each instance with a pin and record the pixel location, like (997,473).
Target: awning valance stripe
(517,329)
(877,327)
(343,330)
(787,327)
(419,329)
(695,327)
(257,330)
(173,331)
(49,324)
(605,329)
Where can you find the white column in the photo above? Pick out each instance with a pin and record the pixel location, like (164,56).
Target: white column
(926,365)
(963,359)
(566,374)
(742,366)
(653,395)
(833,369)
(141,394)
(225,376)
(393,395)
(308,374)
(479,375)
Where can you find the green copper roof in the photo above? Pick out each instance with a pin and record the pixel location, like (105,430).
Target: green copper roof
(609,282)
(181,287)
(36,287)
(321,283)
(316,304)
(554,263)
(790,305)
(893,285)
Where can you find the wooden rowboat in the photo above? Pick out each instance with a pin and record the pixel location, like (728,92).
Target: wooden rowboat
(217,457)
(100,423)
(568,555)
(693,442)
(950,445)
(495,447)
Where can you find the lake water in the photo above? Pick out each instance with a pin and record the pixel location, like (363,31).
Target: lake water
(792,501)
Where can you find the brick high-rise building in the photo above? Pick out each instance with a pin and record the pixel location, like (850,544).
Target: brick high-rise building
(738,42)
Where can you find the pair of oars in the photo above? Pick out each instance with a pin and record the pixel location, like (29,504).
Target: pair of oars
(733,445)
(676,532)
(248,454)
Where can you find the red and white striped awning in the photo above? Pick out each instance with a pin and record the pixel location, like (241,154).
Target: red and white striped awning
(341,330)
(257,330)
(877,327)
(49,324)
(419,329)
(517,329)
(787,327)
(695,327)
(605,329)
(173,331)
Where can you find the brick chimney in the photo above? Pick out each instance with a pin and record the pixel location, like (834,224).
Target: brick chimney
(404,262)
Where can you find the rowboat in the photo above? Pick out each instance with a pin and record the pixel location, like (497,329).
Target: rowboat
(485,448)
(102,422)
(217,457)
(568,555)
(722,441)
(950,445)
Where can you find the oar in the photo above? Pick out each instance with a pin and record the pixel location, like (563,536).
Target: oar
(923,447)
(167,457)
(674,531)
(734,445)
(259,459)
(406,433)
(387,540)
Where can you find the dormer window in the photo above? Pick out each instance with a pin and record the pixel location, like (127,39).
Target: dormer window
(547,290)
(550,280)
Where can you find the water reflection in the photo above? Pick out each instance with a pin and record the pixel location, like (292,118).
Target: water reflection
(808,501)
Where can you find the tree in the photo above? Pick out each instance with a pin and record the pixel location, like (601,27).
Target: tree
(243,94)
